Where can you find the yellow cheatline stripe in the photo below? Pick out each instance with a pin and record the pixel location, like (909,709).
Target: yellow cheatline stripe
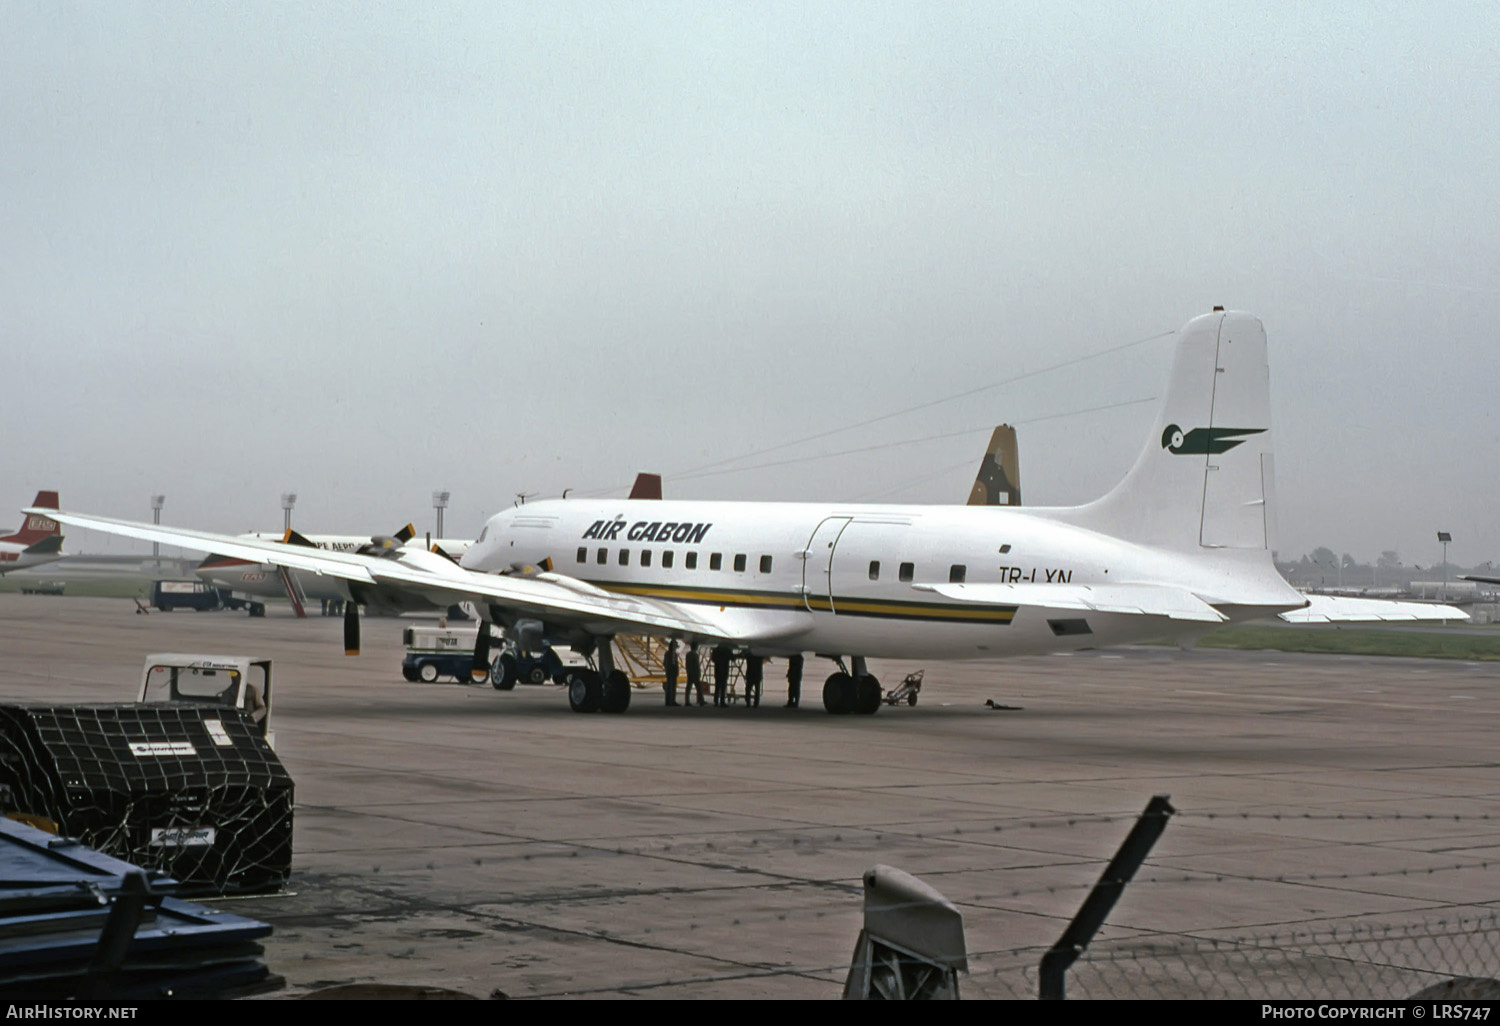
(848,607)
(727,598)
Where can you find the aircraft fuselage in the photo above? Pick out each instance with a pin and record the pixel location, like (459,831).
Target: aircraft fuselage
(845,579)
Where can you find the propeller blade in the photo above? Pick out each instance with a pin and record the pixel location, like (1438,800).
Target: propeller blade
(351,628)
(482,648)
(406,534)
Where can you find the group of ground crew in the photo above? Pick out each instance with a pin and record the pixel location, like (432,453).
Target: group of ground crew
(720,659)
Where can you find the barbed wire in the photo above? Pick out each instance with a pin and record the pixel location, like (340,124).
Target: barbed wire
(1019,973)
(1174,967)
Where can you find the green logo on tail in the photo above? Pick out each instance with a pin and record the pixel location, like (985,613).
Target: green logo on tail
(1203,441)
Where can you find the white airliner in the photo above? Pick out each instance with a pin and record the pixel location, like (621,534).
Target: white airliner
(1181,544)
(38,541)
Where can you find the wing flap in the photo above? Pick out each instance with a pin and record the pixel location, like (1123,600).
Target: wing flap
(1340,609)
(1134,599)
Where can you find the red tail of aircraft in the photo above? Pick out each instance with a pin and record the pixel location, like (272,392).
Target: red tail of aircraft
(37,527)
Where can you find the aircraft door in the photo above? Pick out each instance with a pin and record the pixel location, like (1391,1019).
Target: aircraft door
(817,564)
(867,565)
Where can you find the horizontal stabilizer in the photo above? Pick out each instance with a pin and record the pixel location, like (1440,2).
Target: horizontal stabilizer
(1137,599)
(48,546)
(1338,609)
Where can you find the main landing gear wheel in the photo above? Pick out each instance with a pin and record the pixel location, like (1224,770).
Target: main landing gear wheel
(503,673)
(616,692)
(584,691)
(839,694)
(428,672)
(867,695)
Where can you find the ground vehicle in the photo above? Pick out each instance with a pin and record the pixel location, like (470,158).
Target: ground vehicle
(198,596)
(236,682)
(194,595)
(440,651)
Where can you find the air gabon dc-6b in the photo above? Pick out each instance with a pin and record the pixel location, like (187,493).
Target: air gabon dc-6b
(1181,544)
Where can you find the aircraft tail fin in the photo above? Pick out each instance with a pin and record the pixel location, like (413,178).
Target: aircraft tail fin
(999,480)
(647,486)
(38,526)
(1204,479)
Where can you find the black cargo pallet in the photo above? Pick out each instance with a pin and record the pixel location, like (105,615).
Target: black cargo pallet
(191,790)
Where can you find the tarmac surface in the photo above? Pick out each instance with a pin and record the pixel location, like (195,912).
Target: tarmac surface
(459,837)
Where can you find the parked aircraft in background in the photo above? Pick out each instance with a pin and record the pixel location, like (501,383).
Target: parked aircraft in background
(1181,544)
(38,541)
(254,579)
(999,480)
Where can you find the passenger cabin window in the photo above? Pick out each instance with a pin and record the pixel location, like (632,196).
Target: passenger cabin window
(583,554)
(874,569)
(908,571)
(715,561)
(765,564)
(645,557)
(666,559)
(603,557)
(1004,549)
(956,573)
(692,561)
(624,557)
(739,563)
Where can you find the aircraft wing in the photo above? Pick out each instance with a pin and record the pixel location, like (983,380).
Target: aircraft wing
(431,577)
(1479,579)
(1339,609)
(1139,599)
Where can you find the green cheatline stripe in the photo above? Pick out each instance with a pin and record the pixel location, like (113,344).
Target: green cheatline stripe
(880,608)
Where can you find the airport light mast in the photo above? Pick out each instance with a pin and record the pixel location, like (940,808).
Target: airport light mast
(440,503)
(157,502)
(1445,538)
(288,500)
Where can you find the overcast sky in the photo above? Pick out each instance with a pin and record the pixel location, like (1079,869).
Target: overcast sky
(366,251)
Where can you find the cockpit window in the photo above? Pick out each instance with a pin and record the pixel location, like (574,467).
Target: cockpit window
(484,532)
